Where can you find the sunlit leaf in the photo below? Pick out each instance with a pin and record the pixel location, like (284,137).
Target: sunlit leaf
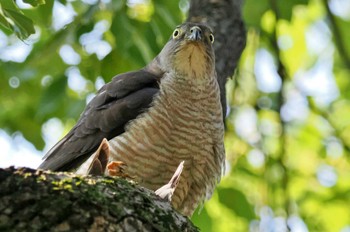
(285,8)
(343,33)
(9,4)
(254,10)
(21,25)
(166,16)
(236,201)
(3,22)
(42,15)
(35,2)
(202,220)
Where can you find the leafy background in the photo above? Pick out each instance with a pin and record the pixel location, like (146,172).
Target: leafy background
(288,126)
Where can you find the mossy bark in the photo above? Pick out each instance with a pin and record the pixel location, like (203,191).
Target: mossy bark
(35,200)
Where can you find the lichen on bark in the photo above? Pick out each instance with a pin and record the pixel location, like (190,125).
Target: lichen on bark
(35,200)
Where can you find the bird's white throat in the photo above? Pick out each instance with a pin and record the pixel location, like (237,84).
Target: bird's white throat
(191,60)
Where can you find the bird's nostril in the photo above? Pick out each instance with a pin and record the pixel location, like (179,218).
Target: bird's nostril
(196,30)
(195,33)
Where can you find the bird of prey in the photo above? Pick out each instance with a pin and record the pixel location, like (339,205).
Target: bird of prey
(154,118)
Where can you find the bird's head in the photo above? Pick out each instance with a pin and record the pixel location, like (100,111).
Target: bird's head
(189,51)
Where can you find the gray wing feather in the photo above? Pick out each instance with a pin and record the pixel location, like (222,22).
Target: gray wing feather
(115,104)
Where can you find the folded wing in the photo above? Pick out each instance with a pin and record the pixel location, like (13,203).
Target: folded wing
(115,104)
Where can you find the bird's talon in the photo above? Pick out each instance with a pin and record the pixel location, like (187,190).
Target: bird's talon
(116,168)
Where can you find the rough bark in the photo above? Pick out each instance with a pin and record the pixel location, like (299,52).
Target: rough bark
(224,17)
(32,200)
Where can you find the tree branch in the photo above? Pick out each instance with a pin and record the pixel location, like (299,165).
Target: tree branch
(281,70)
(33,200)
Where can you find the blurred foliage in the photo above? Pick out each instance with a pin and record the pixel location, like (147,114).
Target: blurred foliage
(14,20)
(288,127)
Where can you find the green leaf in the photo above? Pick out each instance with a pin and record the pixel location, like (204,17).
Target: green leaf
(236,201)
(35,2)
(4,22)
(202,219)
(285,8)
(343,26)
(21,25)
(9,4)
(41,16)
(122,30)
(253,11)
(164,13)
(51,98)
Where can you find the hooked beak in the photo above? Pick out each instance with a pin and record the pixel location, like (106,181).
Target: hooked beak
(196,34)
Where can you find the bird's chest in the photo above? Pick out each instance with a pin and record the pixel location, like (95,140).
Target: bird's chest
(195,123)
(184,124)
(196,127)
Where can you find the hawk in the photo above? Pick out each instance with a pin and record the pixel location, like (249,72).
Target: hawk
(154,118)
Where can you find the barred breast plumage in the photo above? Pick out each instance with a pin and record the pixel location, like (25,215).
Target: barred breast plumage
(184,123)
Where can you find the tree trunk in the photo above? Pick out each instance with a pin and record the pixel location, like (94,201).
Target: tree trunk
(33,200)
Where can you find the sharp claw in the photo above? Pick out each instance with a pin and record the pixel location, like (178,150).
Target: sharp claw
(117,168)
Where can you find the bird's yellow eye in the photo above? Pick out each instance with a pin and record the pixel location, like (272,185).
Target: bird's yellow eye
(211,38)
(176,33)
